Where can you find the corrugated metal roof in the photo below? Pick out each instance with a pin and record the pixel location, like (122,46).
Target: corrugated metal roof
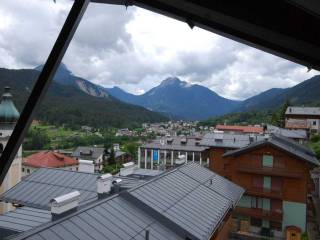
(37,189)
(294,134)
(286,144)
(228,140)
(162,143)
(23,219)
(174,205)
(312,111)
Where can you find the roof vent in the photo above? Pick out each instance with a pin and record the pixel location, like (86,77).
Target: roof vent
(86,166)
(183,140)
(64,204)
(169,140)
(127,169)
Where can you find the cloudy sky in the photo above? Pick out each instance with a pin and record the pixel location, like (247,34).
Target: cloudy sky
(136,49)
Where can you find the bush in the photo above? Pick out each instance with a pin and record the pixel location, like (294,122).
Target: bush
(315,138)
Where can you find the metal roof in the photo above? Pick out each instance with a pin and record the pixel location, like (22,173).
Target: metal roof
(162,143)
(289,133)
(37,189)
(312,111)
(228,140)
(174,205)
(88,152)
(290,146)
(22,219)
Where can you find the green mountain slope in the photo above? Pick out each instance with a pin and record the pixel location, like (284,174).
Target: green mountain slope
(66,104)
(307,92)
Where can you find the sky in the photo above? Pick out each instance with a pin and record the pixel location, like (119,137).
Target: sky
(136,49)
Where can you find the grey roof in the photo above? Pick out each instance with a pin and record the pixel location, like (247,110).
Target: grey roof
(229,140)
(119,154)
(312,111)
(161,143)
(174,205)
(88,152)
(22,219)
(298,150)
(145,173)
(37,189)
(289,133)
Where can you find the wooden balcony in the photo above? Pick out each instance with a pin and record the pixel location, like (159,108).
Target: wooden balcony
(269,171)
(262,192)
(259,213)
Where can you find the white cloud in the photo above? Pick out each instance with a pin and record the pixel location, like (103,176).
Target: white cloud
(136,49)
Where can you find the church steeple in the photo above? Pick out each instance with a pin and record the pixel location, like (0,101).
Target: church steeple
(8,112)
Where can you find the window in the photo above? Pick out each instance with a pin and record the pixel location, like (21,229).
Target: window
(256,222)
(22,169)
(28,170)
(266,204)
(245,201)
(267,183)
(314,123)
(267,161)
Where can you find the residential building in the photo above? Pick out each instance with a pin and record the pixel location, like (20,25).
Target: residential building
(299,135)
(257,129)
(307,118)
(32,196)
(8,118)
(48,159)
(123,132)
(189,202)
(167,152)
(275,174)
(94,154)
(219,142)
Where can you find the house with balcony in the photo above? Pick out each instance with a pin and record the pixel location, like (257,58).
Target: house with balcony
(219,142)
(168,152)
(307,118)
(276,175)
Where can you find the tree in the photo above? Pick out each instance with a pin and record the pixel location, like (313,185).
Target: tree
(282,114)
(36,140)
(111,159)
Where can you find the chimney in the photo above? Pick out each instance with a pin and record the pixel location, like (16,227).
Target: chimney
(127,169)
(218,136)
(86,166)
(251,138)
(104,183)
(116,184)
(64,205)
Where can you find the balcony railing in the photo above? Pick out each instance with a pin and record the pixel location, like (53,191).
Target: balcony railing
(262,192)
(260,213)
(282,172)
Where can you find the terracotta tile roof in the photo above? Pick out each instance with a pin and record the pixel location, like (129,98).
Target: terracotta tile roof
(49,159)
(244,129)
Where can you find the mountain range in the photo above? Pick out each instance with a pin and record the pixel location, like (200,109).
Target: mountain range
(195,102)
(75,100)
(177,99)
(70,104)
